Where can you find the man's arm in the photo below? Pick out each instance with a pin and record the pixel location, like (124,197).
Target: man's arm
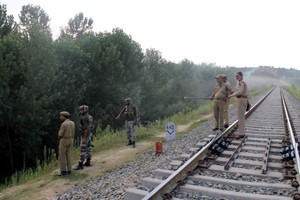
(119,115)
(61,131)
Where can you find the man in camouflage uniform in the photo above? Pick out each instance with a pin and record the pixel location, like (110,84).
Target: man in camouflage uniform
(131,120)
(86,127)
(230,91)
(65,137)
(219,96)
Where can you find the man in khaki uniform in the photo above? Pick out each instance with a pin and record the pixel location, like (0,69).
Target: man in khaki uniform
(65,137)
(242,97)
(226,107)
(219,95)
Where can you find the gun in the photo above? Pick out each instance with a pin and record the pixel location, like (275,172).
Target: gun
(195,97)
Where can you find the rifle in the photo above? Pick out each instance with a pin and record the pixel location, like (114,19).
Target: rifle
(195,97)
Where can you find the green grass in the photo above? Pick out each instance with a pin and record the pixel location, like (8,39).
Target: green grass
(294,91)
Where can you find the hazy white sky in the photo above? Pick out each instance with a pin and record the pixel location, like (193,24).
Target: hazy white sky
(241,33)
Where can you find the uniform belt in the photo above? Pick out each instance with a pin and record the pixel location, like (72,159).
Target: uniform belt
(241,96)
(220,99)
(66,137)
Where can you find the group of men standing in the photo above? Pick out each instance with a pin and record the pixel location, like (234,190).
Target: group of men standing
(67,131)
(221,95)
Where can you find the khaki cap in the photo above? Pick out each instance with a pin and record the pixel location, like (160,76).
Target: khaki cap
(64,113)
(219,76)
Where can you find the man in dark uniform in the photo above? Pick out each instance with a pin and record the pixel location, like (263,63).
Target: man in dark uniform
(86,127)
(131,120)
(65,137)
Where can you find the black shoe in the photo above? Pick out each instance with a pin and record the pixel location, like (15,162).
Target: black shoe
(87,163)
(69,172)
(63,173)
(79,166)
(129,143)
(221,129)
(239,136)
(133,144)
(215,129)
(226,126)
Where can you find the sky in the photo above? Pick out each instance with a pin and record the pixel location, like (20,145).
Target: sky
(239,33)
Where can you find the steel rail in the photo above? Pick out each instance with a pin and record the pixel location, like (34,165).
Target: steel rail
(235,154)
(179,174)
(173,180)
(291,133)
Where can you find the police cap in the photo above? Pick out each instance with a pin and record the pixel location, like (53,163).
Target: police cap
(64,113)
(219,76)
(127,100)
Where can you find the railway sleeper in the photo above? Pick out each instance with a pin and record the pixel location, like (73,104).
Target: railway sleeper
(272,136)
(253,143)
(154,182)
(221,160)
(254,148)
(224,194)
(251,172)
(252,155)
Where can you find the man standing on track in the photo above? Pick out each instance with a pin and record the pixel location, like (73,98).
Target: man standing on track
(226,107)
(219,96)
(242,98)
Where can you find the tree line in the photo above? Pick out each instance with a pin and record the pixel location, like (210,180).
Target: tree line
(41,76)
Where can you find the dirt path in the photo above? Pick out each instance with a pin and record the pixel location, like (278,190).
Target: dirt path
(48,186)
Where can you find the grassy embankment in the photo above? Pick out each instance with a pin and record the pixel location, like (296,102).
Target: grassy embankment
(293,91)
(105,140)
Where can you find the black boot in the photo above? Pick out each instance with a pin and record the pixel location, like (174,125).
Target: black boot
(87,162)
(79,166)
(63,173)
(133,144)
(129,143)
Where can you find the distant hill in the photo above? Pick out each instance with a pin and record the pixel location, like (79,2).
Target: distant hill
(265,75)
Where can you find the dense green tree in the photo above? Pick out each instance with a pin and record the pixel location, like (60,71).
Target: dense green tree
(7,23)
(78,26)
(31,76)
(119,56)
(12,79)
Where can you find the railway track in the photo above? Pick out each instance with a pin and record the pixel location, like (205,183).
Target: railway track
(262,165)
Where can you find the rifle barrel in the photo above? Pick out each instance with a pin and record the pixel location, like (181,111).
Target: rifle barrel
(196,98)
